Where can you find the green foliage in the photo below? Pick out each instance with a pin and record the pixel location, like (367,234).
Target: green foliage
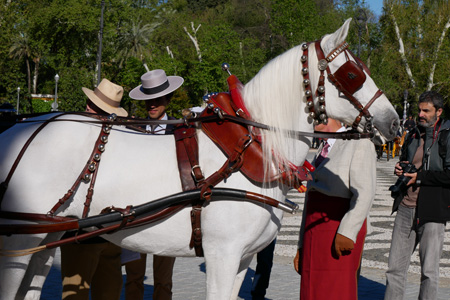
(41,38)
(41,106)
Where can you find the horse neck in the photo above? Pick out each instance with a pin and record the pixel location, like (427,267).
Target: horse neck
(275,97)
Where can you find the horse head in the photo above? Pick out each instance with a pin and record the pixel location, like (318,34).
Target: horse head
(347,91)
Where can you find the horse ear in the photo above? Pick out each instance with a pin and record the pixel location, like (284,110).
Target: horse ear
(331,41)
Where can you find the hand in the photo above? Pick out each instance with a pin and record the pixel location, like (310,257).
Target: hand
(297,261)
(413,177)
(343,245)
(398,170)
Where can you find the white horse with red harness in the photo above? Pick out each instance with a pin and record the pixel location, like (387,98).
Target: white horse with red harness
(288,95)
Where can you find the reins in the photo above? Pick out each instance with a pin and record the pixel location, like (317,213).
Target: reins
(220,116)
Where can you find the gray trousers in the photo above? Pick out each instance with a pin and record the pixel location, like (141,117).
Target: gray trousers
(405,237)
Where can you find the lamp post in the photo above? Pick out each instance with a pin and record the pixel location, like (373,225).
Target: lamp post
(18,99)
(405,104)
(55,103)
(360,21)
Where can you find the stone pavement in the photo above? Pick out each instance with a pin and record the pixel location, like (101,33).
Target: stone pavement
(189,273)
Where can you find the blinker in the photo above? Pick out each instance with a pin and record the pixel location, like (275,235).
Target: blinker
(351,76)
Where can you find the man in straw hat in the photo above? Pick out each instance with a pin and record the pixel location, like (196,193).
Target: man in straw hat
(156,90)
(94,264)
(105,99)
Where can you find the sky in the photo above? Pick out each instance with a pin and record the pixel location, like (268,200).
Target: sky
(375,6)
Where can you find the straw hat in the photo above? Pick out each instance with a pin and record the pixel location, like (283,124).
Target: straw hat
(107,96)
(155,84)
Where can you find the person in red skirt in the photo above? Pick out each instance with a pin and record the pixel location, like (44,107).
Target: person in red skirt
(337,203)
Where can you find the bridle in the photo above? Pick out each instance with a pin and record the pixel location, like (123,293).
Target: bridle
(348,79)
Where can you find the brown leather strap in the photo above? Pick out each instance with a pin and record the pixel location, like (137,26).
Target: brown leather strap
(233,164)
(187,157)
(4,184)
(112,228)
(196,237)
(365,110)
(89,172)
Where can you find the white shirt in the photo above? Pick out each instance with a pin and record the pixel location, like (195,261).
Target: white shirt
(160,128)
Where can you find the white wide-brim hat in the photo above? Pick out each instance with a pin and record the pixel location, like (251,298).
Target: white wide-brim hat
(107,96)
(155,84)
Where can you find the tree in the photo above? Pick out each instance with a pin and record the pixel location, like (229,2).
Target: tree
(21,49)
(416,37)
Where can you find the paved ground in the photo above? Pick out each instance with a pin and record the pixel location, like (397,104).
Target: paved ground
(189,273)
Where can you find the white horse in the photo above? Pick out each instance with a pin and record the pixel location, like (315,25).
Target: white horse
(138,168)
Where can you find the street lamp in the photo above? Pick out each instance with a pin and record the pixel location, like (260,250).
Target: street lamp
(405,104)
(360,22)
(55,103)
(18,98)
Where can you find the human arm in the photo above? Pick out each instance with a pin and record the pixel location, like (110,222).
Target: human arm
(362,184)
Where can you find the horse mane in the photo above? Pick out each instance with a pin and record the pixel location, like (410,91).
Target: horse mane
(275,97)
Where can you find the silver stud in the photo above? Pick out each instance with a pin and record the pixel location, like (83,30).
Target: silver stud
(305,71)
(304,58)
(210,105)
(308,93)
(312,115)
(323,116)
(322,108)
(322,99)
(97,157)
(104,139)
(309,103)
(92,167)
(216,110)
(205,98)
(304,46)
(107,130)
(316,122)
(325,121)
(112,117)
(322,65)
(321,89)
(87,177)
(101,147)
(306,82)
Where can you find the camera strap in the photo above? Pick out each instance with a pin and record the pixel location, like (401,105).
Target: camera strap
(427,153)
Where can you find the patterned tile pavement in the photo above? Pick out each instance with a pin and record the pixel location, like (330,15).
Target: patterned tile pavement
(189,273)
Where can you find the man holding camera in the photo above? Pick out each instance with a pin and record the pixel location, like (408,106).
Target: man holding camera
(422,200)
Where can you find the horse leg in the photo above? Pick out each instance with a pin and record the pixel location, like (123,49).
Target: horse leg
(37,271)
(221,270)
(245,263)
(16,281)
(12,268)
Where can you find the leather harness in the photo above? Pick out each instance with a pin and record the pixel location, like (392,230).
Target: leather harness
(240,145)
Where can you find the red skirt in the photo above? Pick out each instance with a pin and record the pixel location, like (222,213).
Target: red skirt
(323,274)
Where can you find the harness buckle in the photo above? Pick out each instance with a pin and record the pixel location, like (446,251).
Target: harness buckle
(201,172)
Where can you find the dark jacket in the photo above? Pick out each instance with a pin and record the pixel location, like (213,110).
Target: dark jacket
(433,203)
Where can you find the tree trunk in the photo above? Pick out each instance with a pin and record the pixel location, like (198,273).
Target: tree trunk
(401,50)
(28,75)
(36,74)
(435,57)
(194,40)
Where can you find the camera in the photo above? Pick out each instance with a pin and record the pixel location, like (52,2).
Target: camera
(401,184)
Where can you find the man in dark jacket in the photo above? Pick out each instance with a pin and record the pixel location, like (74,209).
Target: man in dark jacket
(422,200)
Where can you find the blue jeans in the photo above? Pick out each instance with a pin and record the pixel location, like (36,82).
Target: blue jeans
(405,237)
(264,262)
